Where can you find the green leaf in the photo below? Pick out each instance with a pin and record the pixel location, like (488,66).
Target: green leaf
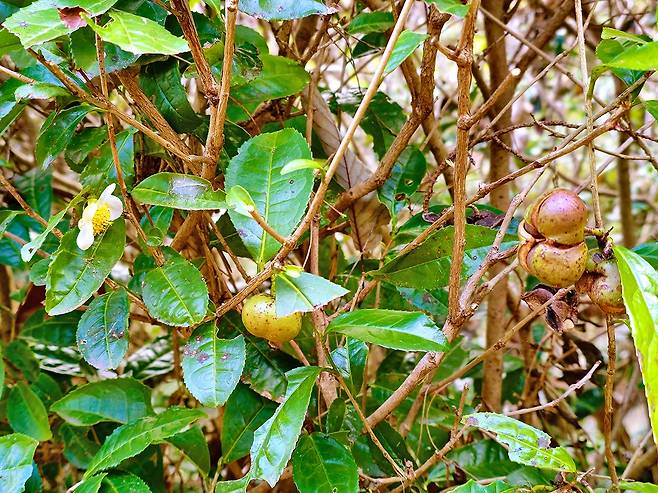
(40,90)
(52,331)
(405,331)
(473,487)
(239,200)
(525,444)
(178,191)
(101,171)
(211,366)
(275,10)
(130,439)
(245,411)
(404,180)
(83,51)
(321,464)
(84,142)
(299,291)
(610,33)
(161,81)
(102,334)
(36,187)
(428,266)
(16,452)
(406,44)
(640,291)
(280,200)
(193,444)
(79,449)
(371,22)
(139,35)
(91,485)
(175,293)
(27,414)
(6,217)
(120,400)
(236,486)
(649,252)
(74,274)
(642,57)
(39,271)
(40,22)
(30,248)
(296,164)
(638,486)
(454,7)
(351,363)
(22,357)
(57,131)
(10,109)
(279,77)
(275,439)
(122,482)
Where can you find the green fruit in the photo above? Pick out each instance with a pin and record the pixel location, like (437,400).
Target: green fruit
(555,265)
(602,283)
(260,319)
(558,215)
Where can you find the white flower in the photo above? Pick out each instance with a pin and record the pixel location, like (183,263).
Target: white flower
(97,216)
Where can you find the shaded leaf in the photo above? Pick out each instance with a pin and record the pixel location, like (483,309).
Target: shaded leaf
(245,411)
(428,266)
(351,362)
(102,334)
(162,83)
(100,170)
(193,444)
(27,414)
(57,131)
(120,400)
(321,464)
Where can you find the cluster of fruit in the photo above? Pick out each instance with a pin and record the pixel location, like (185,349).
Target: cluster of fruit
(553,250)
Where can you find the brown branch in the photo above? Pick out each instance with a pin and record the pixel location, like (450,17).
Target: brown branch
(570,390)
(25,206)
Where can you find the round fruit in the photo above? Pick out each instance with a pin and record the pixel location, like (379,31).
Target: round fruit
(558,215)
(602,283)
(260,319)
(553,264)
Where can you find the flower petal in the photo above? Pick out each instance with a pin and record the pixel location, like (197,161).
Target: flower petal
(116,207)
(107,192)
(88,213)
(85,236)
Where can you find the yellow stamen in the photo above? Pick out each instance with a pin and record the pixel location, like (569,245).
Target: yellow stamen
(101,220)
